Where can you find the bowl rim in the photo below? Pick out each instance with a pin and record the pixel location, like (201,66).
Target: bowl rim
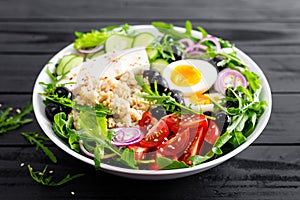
(45,124)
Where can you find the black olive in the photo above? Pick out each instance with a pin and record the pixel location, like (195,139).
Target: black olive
(215,62)
(63,92)
(178,96)
(177,53)
(230,104)
(209,113)
(234,101)
(158,112)
(52,109)
(162,84)
(149,74)
(222,120)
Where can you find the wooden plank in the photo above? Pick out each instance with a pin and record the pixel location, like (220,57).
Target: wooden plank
(257,173)
(50,37)
(281,129)
(124,9)
(280,71)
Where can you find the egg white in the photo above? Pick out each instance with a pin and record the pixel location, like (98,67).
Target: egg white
(208,76)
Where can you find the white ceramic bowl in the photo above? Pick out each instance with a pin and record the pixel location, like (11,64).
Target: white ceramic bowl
(39,108)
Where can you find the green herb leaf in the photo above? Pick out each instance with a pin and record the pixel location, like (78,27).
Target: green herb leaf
(220,142)
(44,178)
(90,39)
(36,139)
(10,122)
(188,27)
(168,29)
(128,157)
(166,163)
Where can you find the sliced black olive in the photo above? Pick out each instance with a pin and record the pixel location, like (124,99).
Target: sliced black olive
(52,109)
(178,96)
(222,120)
(63,92)
(162,84)
(149,74)
(158,112)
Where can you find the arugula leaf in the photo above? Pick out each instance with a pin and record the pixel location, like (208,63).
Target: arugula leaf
(98,154)
(237,139)
(36,139)
(128,157)
(8,122)
(166,163)
(168,29)
(164,100)
(40,177)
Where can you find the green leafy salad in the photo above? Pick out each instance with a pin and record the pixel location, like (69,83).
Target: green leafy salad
(166,97)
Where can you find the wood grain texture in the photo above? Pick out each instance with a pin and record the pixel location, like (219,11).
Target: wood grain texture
(256,172)
(233,10)
(50,37)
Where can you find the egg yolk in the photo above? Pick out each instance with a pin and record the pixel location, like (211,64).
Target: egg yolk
(199,98)
(185,75)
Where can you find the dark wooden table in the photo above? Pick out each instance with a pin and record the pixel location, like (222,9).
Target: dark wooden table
(31,32)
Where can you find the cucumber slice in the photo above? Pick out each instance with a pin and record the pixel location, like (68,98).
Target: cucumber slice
(159,65)
(74,62)
(143,39)
(118,42)
(94,55)
(152,53)
(65,59)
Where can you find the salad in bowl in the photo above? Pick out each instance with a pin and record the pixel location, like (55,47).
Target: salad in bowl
(152,101)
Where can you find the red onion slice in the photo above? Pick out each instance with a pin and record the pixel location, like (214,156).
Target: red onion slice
(220,85)
(84,150)
(187,42)
(127,136)
(195,47)
(94,50)
(195,53)
(214,40)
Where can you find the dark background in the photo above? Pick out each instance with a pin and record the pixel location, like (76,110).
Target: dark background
(31,32)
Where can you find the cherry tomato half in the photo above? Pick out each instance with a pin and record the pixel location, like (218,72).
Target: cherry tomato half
(213,132)
(156,135)
(176,145)
(147,121)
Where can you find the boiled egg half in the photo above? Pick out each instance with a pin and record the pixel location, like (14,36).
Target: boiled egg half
(190,76)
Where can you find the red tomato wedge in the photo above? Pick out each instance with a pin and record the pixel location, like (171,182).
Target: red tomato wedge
(139,152)
(195,146)
(213,132)
(194,121)
(176,145)
(156,135)
(173,122)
